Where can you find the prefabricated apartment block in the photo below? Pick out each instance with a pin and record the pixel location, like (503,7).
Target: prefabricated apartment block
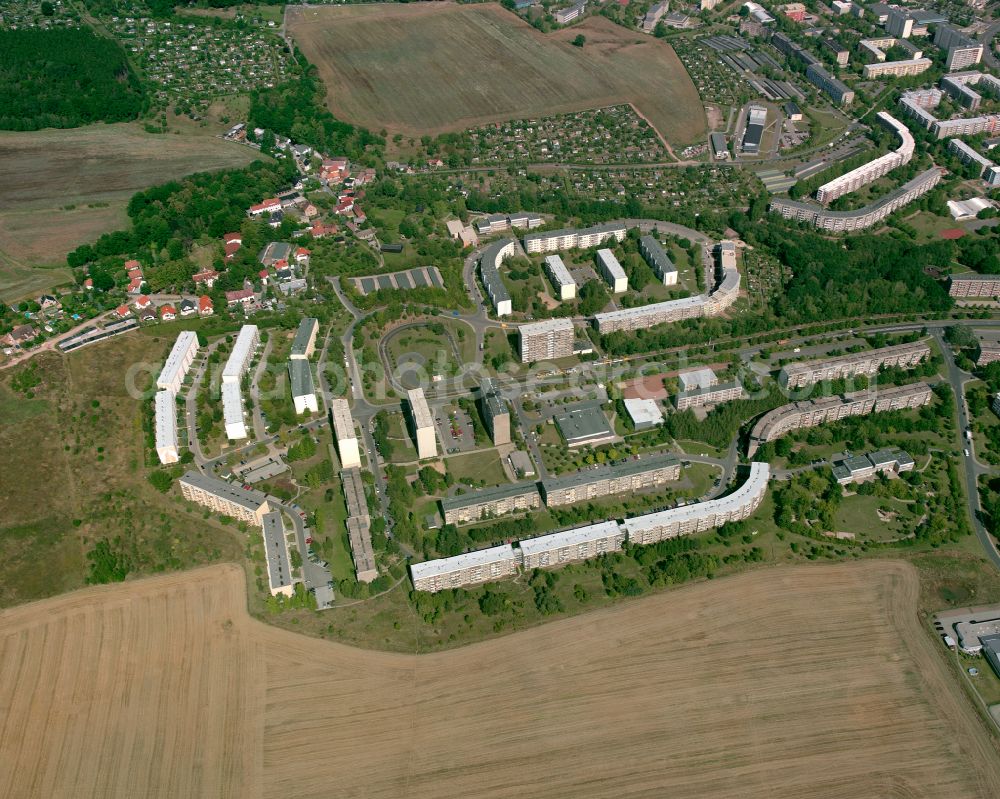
(343,431)
(423,424)
(547,340)
(654,254)
(359,525)
(468,569)
(245,505)
(495,413)
(303,389)
(611,270)
(489,270)
(165,408)
(233,411)
(178,362)
(868,363)
(279,568)
(488,503)
(304,343)
(631,475)
(561,279)
(572,545)
(570,238)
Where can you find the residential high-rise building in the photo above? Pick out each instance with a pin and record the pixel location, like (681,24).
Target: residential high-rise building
(345,434)
(495,412)
(546,340)
(423,424)
(561,279)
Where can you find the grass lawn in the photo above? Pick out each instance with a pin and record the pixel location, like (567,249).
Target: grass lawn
(482,466)
(701,448)
(859,515)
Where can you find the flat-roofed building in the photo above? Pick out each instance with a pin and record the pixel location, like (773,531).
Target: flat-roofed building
(423,424)
(569,546)
(611,270)
(720,149)
(860,467)
(797,415)
(840,53)
(344,432)
(488,503)
(495,412)
(279,567)
(697,518)
(694,379)
(233,411)
(561,279)
(501,223)
(874,169)
(897,69)
(653,253)
(304,343)
(968,155)
(963,52)
(178,362)
(359,525)
(471,568)
(649,471)
(868,362)
(303,389)
(974,285)
(646,316)
(988,347)
(584,426)
(243,504)
(754,131)
(165,410)
(839,92)
(571,238)
(710,395)
(490,261)
(644,413)
(244,347)
(547,340)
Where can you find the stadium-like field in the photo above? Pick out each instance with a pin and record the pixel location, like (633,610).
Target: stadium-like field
(790,683)
(434,67)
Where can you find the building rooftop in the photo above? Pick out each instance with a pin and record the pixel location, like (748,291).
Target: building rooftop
(489,269)
(239,356)
(301,377)
(173,365)
(655,308)
(343,422)
(303,335)
(279,572)
(482,557)
(165,405)
(354,492)
(644,412)
(545,326)
(697,378)
(583,423)
(232,403)
(249,498)
(661,262)
(568,538)
(492,398)
(422,416)
(646,463)
(718,388)
(558,271)
(611,264)
(487,495)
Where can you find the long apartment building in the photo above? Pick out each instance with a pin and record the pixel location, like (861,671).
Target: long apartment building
(234,415)
(897,69)
(233,410)
(725,294)
(304,343)
(546,340)
(245,505)
(495,412)
(652,251)
(423,424)
(838,91)
(560,276)
(488,503)
(358,525)
(796,415)
(471,568)
(165,413)
(611,270)
(988,171)
(960,87)
(709,395)
(178,362)
(874,169)
(868,363)
(279,567)
(632,475)
(501,223)
(569,546)
(571,238)
(697,518)
(490,260)
(919,103)
(345,434)
(963,52)
(302,386)
(974,285)
(862,218)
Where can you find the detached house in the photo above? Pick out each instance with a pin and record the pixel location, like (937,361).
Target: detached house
(269,206)
(188,307)
(142,302)
(205,305)
(168,313)
(207,277)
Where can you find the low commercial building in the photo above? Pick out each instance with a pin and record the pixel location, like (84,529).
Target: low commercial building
(584,426)
(489,269)
(619,478)
(304,343)
(569,238)
(697,518)
(974,285)
(797,415)
(754,132)
(345,434)
(178,362)
(710,395)
(165,410)
(488,503)
(303,389)
(561,279)
(233,412)
(279,569)
(547,340)
(653,253)
(720,149)
(359,525)
(423,424)
(570,546)
(242,504)
(471,568)
(868,363)
(860,467)
(874,169)
(495,412)
(611,270)
(644,413)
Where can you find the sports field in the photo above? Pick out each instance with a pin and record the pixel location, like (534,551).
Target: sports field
(800,682)
(63,188)
(435,67)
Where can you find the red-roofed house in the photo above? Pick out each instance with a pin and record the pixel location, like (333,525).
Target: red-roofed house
(123,311)
(205,305)
(345,206)
(302,256)
(135,287)
(269,206)
(310,210)
(133,264)
(142,301)
(359,216)
(281,263)
(168,313)
(321,229)
(262,274)
(207,277)
(231,248)
(88,283)
(230,238)
(245,296)
(435,162)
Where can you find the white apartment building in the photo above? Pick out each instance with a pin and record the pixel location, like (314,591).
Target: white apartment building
(568,239)
(244,347)
(165,407)
(423,424)
(561,279)
(654,254)
(897,69)
(344,432)
(245,505)
(304,344)
(571,545)
(471,568)
(233,412)
(611,270)
(874,169)
(489,269)
(546,340)
(279,566)
(868,363)
(178,362)
(302,386)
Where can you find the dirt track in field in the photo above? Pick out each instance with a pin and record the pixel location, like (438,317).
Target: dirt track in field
(812,681)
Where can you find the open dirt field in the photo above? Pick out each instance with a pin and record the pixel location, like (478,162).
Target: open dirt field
(62,188)
(430,68)
(803,682)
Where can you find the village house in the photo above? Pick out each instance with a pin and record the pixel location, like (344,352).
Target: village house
(208,277)
(20,335)
(123,311)
(168,313)
(205,305)
(187,307)
(142,302)
(244,296)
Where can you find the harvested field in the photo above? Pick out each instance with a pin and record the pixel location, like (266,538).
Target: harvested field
(430,68)
(800,682)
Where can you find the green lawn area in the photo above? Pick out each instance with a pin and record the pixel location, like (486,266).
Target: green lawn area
(700,447)
(859,515)
(482,466)
(403,449)
(15,408)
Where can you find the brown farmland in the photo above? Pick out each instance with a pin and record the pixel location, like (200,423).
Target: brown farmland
(430,68)
(800,682)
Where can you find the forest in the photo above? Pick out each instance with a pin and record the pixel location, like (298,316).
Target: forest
(65,78)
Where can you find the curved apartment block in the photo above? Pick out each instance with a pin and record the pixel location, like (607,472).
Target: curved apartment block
(874,169)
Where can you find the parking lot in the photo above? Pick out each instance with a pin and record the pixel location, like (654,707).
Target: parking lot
(454,429)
